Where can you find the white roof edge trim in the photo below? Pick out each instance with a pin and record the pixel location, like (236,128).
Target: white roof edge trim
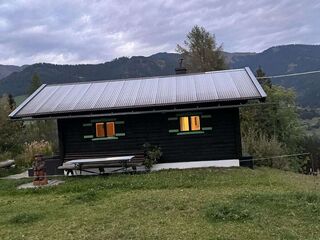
(25,102)
(255,82)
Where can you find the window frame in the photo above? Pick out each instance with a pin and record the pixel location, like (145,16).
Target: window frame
(105,129)
(204,128)
(190,127)
(196,118)
(113,128)
(97,134)
(184,126)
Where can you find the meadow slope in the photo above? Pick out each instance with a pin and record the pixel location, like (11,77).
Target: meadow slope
(189,204)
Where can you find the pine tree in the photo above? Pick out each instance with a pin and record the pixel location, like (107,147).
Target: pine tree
(263,81)
(201,51)
(35,83)
(12,102)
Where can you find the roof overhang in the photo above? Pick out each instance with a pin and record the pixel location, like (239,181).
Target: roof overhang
(211,90)
(171,109)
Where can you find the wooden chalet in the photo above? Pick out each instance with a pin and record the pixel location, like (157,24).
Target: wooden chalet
(194,118)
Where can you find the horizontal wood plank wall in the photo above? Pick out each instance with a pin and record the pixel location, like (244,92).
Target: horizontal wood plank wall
(222,142)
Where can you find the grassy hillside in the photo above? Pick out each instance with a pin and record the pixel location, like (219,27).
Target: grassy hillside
(189,204)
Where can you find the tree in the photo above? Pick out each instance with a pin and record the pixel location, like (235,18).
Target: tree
(35,83)
(11,133)
(260,74)
(311,144)
(278,117)
(273,128)
(12,102)
(201,52)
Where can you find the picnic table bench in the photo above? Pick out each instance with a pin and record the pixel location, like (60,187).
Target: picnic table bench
(118,162)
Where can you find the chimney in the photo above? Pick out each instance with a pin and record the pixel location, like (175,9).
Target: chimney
(181,69)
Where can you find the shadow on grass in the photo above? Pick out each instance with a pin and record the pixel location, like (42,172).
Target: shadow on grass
(25,218)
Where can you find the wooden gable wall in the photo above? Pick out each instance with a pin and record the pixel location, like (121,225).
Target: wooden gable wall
(219,139)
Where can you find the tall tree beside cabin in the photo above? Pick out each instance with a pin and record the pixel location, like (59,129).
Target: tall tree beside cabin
(44,130)
(201,52)
(10,132)
(263,80)
(12,102)
(35,83)
(272,129)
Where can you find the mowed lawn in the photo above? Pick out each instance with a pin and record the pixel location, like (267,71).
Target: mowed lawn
(176,204)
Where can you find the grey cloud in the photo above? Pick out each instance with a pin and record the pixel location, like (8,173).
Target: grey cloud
(72,31)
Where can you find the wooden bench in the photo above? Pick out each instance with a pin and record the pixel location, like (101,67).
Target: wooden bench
(122,162)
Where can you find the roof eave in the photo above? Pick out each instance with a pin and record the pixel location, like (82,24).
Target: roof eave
(147,109)
(256,83)
(25,102)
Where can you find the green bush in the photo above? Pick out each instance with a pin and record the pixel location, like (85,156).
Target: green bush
(33,148)
(152,155)
(5,156)
(260,146)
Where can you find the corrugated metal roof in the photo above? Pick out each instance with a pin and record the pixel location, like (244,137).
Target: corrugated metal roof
(217,86)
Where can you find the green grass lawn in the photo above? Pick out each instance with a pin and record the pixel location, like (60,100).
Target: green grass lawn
(187,204)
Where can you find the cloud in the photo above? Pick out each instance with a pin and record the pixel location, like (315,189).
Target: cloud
(83,31)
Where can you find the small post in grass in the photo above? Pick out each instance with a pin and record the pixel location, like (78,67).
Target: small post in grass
(40,176)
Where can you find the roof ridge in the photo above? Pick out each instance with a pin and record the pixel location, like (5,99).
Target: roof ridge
(145,78)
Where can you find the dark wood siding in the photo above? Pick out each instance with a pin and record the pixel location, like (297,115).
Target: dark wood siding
(222,142)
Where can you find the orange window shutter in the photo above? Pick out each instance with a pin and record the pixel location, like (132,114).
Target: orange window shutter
(184,124)
(111,130)
(195,123)
(100,131)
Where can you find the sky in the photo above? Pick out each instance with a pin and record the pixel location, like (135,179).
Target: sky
(93,31)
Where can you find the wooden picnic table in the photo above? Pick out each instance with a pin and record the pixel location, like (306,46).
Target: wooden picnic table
(100,163)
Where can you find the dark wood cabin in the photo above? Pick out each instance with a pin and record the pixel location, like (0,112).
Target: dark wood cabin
(192,117)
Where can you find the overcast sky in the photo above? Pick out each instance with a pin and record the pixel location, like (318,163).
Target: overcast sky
(79,31)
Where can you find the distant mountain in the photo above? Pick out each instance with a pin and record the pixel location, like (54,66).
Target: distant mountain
(17,83)
(6,70)
(282,59)
(285,60)
(275,60)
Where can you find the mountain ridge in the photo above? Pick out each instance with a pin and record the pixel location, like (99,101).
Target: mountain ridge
(6,70)
(275,60)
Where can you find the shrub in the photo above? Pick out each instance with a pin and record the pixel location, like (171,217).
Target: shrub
(152,155)
(5,156)
(33,148)
(260,146)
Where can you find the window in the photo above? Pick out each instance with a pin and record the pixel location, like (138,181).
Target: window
(100,131)
(111,131)
(190,123)
(195,123)
(105,129)
(184,124)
